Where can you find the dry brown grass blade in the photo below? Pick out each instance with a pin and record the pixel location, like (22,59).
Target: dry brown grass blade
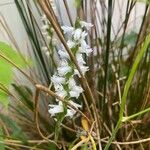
(36,99)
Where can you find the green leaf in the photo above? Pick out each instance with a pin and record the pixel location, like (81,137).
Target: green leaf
(25,95)
(144,1)
(16,131)
(12,54)
(128,83)
(6,69)
(130,39)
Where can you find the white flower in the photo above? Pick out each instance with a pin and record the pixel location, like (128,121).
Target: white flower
(63,54)
(71,83)
(83,35)
(80,59)
(87,51)
(57,79)
(67,29)
(62,93)
(55,109)
(71,44)
(64,68)
(77,34)
(84,45)
(70,113)
(86,25)
(75,91)
(58,87)
(84,69)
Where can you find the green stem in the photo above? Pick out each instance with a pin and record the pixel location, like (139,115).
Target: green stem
(126,89)
(124,119)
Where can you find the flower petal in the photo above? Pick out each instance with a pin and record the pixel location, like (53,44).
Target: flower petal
(67,29)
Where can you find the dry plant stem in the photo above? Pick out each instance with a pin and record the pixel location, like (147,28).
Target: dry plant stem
(147,96)
(98,130)
(29,141)
(37,92)
(87,107)
(80,143)
(136,133)
(13,64)
(39,142)
(11,37)
(34,19)
(68,128)
(107,129)
(51,11)
(6,28)
(17,145)
(2,124)
(9,148)
(68,12)
(86,140)
(129,143)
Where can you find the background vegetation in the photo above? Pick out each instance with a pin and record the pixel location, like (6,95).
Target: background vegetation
(116,96)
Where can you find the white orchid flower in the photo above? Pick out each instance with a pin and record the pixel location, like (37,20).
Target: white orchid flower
(62,93)
(80,59)
(77,34)
(87,51)
(83,35)
(71,82)
(84,69)
(75,91)
(84,45)
(64,68)
(86,25)
(71,44)
(67,29)
(57,79)
(58,87)
(70,113)
(63,54)
(55,109)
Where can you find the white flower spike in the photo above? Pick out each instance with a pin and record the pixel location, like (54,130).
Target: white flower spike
(64,83)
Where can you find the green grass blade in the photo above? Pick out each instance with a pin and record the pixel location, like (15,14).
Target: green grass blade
(127,87)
